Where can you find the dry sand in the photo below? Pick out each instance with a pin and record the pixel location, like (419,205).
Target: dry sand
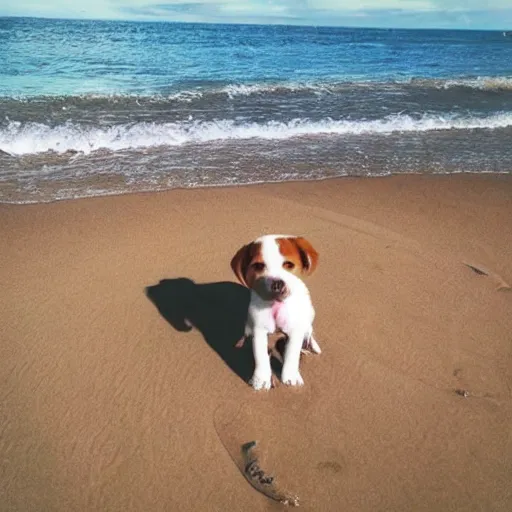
(110,402)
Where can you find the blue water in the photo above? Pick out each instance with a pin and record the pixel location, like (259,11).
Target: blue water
(100,107)
(62,57)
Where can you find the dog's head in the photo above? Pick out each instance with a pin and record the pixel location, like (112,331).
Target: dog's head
(272,264)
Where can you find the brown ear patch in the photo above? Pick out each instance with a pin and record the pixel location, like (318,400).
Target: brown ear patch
(242,260)
(300,252)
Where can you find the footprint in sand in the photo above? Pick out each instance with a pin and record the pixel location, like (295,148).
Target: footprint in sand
(238,433)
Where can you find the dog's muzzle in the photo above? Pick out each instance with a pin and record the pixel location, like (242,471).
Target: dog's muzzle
(272,288)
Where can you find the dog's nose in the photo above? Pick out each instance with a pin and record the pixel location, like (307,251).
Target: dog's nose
(277,286)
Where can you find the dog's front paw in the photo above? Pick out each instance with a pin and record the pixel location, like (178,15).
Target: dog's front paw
(291,377)
(261,381)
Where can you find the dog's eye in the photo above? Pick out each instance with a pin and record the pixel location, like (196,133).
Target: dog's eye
(288,265)
(258,266)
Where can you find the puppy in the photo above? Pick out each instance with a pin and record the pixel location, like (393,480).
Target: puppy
(272,267)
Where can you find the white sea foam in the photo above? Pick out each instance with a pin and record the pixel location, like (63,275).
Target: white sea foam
(484,83)
(333,87)
(186,96)
(29,138)
(234,90)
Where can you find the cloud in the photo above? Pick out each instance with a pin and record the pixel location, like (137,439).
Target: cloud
(61,8)
(491,14)
(495,14)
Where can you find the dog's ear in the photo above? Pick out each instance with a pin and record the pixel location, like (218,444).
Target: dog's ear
(308,255)
(241,261)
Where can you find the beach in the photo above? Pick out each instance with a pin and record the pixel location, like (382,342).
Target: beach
(121,388)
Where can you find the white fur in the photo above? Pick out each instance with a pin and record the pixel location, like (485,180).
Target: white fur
(293,316)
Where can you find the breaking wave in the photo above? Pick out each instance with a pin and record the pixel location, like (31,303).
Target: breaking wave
(28,138)
(234,90)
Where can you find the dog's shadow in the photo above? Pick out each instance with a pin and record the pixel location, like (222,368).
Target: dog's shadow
(217,310)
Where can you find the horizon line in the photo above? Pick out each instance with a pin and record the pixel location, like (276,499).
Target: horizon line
(299,25)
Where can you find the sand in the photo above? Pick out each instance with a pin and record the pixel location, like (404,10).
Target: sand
(111,401)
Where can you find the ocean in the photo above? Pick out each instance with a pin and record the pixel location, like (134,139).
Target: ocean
(92,108)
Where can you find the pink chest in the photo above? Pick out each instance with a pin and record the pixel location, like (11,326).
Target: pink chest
(280,316)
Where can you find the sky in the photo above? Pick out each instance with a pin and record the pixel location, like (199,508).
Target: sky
(459,14)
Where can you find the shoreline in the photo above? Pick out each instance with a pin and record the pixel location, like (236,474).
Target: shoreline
(262,183)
